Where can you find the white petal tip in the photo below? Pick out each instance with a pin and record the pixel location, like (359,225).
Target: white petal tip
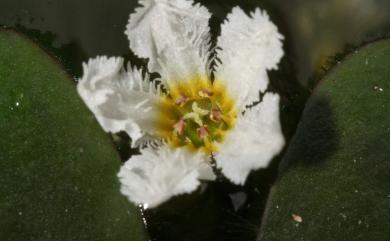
(157,175)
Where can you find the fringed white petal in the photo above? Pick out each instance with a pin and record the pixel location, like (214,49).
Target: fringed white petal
(174,35)
(206,172)
(252,144)
(248,47)
(121,100)
(158,174)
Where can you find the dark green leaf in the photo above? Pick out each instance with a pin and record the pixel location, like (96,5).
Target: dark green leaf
(58,168)
(336,173)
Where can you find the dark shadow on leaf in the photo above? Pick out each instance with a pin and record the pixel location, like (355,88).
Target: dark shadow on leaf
(316,138)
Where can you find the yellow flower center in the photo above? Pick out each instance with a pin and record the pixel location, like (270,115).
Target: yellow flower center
(197,114)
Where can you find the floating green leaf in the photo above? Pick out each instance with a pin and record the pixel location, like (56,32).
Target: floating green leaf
(336,173)
(58,168)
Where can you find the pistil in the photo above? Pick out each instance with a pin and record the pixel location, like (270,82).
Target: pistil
(197,114)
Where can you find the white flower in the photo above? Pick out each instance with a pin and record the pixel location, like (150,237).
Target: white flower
(201,109)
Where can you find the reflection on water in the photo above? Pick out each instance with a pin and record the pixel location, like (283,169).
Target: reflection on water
(315,31)
(320,29)
(97,25)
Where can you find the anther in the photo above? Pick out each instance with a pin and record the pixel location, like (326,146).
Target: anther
(181,100)
(179,127)
(205,93)
(202,132)
(215,115)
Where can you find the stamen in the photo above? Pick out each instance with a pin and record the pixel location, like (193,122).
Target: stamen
(179,127)
(205,93)
(181,100)
(202,132)
(215,115)
(201,116)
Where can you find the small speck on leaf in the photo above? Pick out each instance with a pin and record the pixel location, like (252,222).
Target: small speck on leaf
(377,88)
(297,218)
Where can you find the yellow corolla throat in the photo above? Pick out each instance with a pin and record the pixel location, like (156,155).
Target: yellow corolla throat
(196,114)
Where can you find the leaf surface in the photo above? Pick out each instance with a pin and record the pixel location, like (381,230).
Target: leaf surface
(58,168)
